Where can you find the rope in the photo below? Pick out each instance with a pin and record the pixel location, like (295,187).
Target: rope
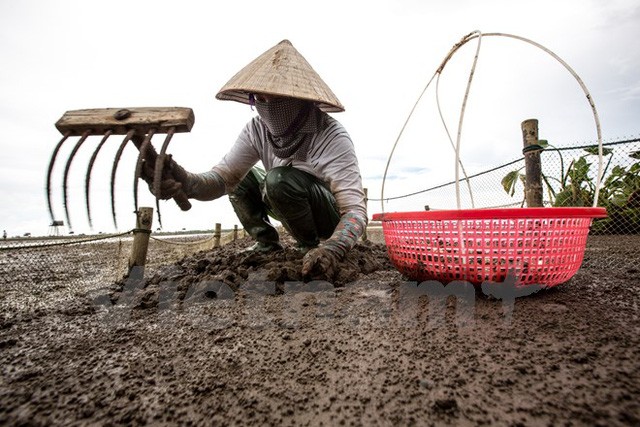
(73,242)
(579,147)
(198,242)
(605,144)
(141,230)
(532,147)
(451,182)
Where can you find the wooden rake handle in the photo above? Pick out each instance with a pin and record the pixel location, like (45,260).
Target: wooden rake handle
(120,121)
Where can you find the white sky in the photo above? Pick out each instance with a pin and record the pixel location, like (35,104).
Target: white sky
(377,56)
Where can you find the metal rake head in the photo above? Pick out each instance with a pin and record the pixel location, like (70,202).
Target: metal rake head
(138,125)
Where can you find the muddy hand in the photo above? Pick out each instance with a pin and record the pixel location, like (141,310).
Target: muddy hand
(319,264)
(174,181)
(174,178)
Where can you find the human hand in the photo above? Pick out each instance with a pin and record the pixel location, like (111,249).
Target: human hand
(175,179)
(320,264)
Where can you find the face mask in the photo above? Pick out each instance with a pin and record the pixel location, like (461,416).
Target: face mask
(283,116)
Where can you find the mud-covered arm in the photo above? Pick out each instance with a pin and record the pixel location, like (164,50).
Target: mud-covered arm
(322,262)
(346,235)
(338,167)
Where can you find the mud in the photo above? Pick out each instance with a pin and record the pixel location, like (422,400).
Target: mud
(228,338)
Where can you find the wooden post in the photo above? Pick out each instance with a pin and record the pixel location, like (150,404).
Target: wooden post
(235,232)
(138,257)
(366,200)
(216,235)
(533,167)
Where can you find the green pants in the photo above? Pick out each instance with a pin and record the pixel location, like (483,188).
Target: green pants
(300,201)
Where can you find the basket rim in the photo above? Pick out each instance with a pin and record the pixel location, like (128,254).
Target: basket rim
(506,213)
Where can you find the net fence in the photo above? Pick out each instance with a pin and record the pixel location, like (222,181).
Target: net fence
(63,268)
(569,177)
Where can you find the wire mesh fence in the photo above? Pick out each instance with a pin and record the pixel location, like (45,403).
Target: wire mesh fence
(64,268)
(59,268)
(569,178)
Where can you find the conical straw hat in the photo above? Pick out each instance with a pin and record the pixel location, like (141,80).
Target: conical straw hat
(280,71)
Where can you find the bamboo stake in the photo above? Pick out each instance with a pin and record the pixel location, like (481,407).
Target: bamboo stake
(138,257)
(533,167)
(216,235)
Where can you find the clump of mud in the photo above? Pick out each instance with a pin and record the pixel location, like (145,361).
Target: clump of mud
(231,267)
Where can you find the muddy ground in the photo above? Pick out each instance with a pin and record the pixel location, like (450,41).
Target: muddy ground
(226,338)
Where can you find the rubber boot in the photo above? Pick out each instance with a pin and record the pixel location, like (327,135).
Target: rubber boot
(247,203)
(306,208)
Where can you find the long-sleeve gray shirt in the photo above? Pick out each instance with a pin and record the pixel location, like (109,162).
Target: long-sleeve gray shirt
(331,158)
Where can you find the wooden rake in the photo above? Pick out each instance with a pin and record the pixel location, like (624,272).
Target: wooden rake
(138,125)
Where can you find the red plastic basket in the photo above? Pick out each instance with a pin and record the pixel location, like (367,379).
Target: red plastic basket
(542,246)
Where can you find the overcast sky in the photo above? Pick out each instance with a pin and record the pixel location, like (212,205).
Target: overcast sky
(377,56)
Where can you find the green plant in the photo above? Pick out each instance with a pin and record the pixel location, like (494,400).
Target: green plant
(575,186)
(619,191)
(620,195)
(510,180)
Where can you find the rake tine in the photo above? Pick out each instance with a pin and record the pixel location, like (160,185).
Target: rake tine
(158,168)
(87,180)
(51,162)
(116,160)
(158,210)
(141,156)
(67,167)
